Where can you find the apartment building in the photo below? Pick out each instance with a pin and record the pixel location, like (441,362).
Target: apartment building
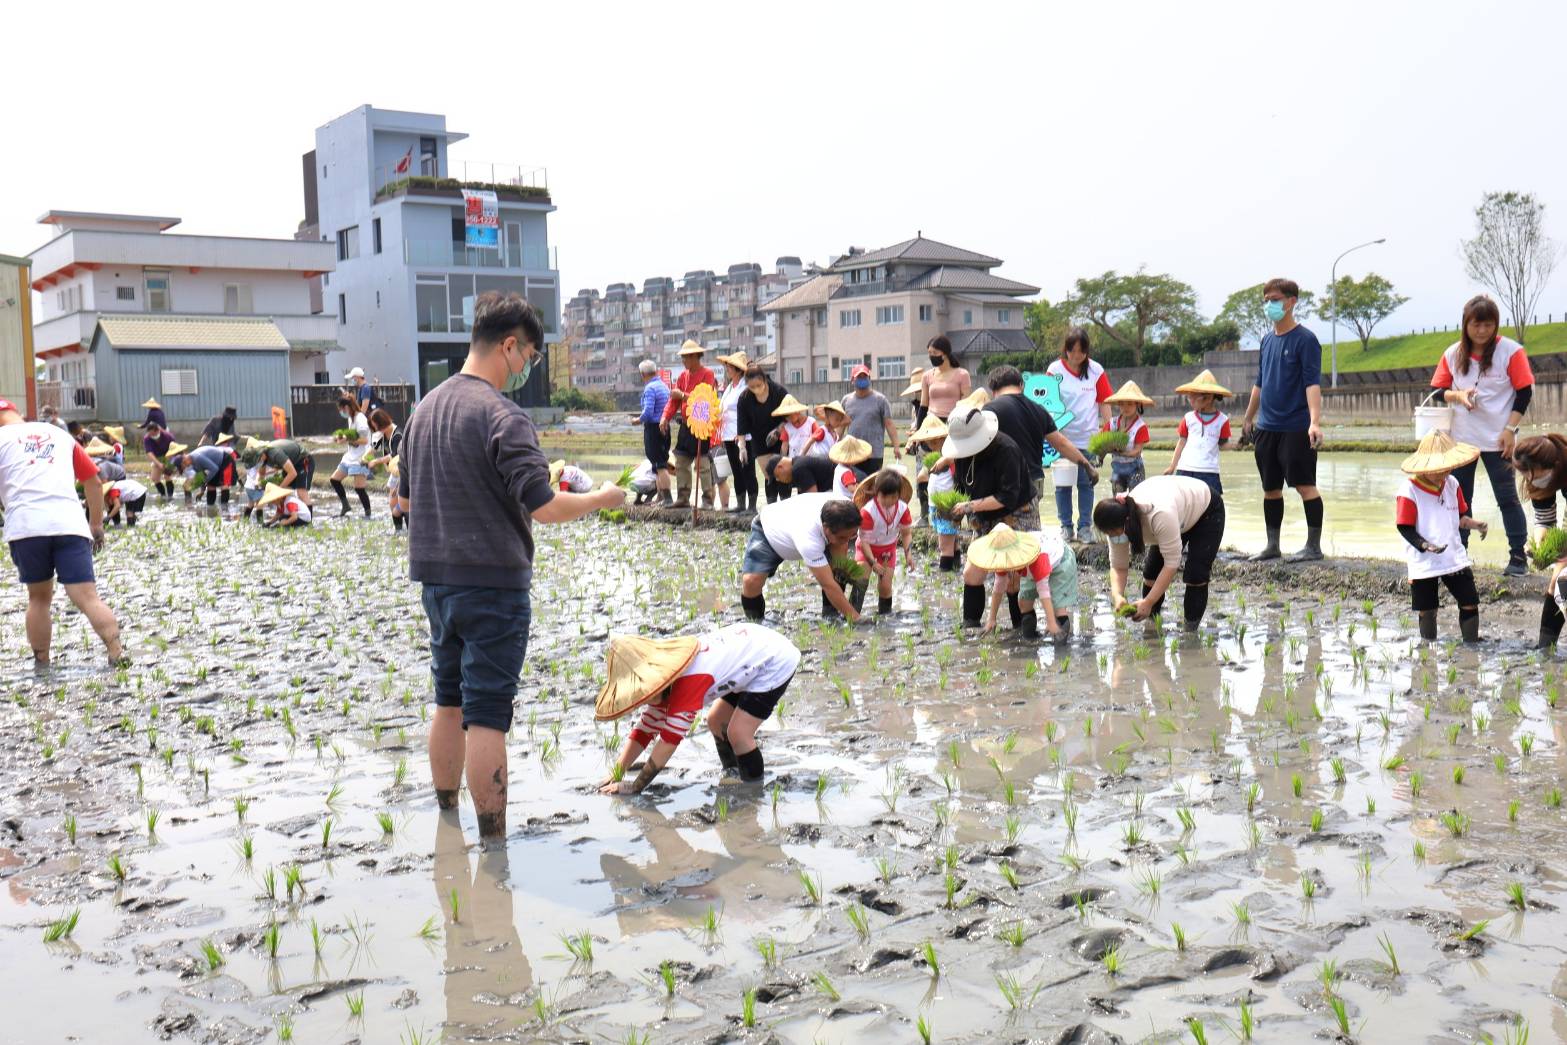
(882,307)
(99,265)
(610,333)
(401,216)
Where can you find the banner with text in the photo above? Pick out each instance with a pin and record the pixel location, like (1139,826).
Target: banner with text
(482,219)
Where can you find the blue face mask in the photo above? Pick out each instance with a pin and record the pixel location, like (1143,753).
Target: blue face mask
(1121,539)
(517,380)
(1274,310)
(862,382)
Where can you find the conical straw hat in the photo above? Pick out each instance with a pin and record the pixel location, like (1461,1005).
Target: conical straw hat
(639,669)
(691,348)
(867,488)
(175,449)
(836,407)
(1003,548)
(274,493)
(1204,382)
(152,404)
(115,432)
(254,444)
(1439,453)
(98,448)
(930,429)
(977,398)
(223,439)
(738,361)
(790,405)
(849,450)
(915,384)
(1129,393)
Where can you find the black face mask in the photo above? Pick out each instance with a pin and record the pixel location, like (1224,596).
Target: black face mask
(936,359)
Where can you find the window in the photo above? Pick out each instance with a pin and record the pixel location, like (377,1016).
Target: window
(849,317)
(375,234)
(178,382)
(821,375)
(796,377)
(846,369)
(888,314)
(926,313)
(348,243)
(968,317)
(821,317)
(125,293)
(68,299)
(1003,316)
(155,283)
(342,308)
(895,366)
(236,299)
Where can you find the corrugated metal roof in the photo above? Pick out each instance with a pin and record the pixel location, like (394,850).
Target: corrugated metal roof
(949,277)
(811,294)
(917,249)
(989,340)
(162,331)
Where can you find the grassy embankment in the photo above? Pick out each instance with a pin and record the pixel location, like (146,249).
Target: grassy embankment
(1422,350)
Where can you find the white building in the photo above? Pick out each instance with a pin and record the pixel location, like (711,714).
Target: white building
(116,263)
(380,187)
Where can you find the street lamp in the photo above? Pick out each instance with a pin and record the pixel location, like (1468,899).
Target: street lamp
(1333,289)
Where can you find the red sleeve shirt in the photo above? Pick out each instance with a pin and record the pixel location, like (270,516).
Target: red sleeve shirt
(1224,433)
(83,465)
(1142,435)
(1039,569)
(1443,378)
(1102,390)
(1405,513)
(672,720)
(1463,505)
(1180,429)
(1519,371)
(866,522)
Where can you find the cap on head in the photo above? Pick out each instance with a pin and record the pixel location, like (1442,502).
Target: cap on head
(357,371)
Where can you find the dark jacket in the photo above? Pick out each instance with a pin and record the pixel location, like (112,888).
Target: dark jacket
(756,419)
(998,471)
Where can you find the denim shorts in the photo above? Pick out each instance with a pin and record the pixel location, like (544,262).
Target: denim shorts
(42,558)
(356,469)
(760,556)
(478,640)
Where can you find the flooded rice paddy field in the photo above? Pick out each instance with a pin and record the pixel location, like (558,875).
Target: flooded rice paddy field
(1299,820)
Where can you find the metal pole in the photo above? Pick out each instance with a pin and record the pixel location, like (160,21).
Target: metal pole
(1333,290)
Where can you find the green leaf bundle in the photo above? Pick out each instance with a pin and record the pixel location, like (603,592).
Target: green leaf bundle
(946,500)
(624,479)
(1551,546)
(1106,443)
(849,570)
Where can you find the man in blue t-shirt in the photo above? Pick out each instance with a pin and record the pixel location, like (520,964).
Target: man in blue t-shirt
(1284,419)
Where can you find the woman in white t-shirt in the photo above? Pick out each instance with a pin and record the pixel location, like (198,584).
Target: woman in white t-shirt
(1489,383)
(1084,388)
(352,463)
(742,479)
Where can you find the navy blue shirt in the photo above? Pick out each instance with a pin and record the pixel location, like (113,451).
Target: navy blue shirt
(1290,364)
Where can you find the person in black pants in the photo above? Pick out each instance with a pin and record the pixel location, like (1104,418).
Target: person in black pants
(757,430)
(741,468)
(1161,516)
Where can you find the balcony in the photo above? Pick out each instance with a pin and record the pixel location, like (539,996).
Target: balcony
(76,402)
(509,181)
(445,254)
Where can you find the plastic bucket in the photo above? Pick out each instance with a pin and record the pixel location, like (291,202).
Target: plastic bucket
(1430,419)
(1065,473)
(721,469)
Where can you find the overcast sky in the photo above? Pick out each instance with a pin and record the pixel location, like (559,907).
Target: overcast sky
(1220,142)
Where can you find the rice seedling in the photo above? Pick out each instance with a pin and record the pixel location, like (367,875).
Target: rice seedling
(1316,821)
(293,879)
(285,1028)
(387,824)
(118,867)
(922,1028)
(1337,766)
(1009,875)
(152,822)
(1553,798)
(708,926)
(579,946)
(1014,934)
(812,887)
(1132,834)
(1242,914)
(1475,930)
(1340,1014)
(1246,1021)
(272,938)
(1371,806)
(1392,955)
(428,930)
(1253,792)
(767,947)
(1112,961)
(213,956)
(1526,744)
(317,940)
(1416,783)
(951,884)
(886,869)
(1419,852)
(1014,993)
(1069,815)
(69,825)
(454,905)
(1513,806)
(1187,818)
(356,1005)
(62,928)
(928,951)
(269,883)
(1012,826)
(1179,935)
(1458,775)
(1456,822)
(666,976)
(1296,784)
(241,807)
(748,1008)
(1151,882)
(1198,1033)
(855,913)
(1308,888)
(1393,763)
(399,773)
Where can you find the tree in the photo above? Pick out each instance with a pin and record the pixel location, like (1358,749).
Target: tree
(1197,341)
(1361,304)
(1047,324)
(1244,309)
(1511,253)
(1130,309)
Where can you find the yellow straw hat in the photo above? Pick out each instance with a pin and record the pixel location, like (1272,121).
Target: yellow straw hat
(977,398)
(175,449)
(98,448)
(836,407)
(115,432)
(738,360)
(254,444)
(691,348)
(867,488)
(930,429)
(1204,382)
(849,450)
(1130,393)
(223,439)
(274,493)
(152,404)
(790,405)
(1003,548)
(556,467)
(915,384)
(639,669)
(1439,453)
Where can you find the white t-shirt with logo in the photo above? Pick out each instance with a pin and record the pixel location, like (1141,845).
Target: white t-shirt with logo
(127,489)
(40,466)
(296,506)
(1495,390)
(1434,515)
(794,527)
(744,658)
(1082,394)
(1201,453)
(355,454)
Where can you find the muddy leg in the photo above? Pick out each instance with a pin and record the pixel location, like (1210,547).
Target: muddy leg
(718,726)
(39,626)
(84,597)
(1427,624)
(487,780)
(447,746)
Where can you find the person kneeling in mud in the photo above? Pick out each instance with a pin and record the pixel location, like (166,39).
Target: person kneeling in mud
(886,524)
(745,668)
(1431,513)
(292,509)
(123,495)
(1037,574)
(815,528)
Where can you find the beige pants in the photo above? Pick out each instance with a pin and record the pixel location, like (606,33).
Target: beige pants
(683,467)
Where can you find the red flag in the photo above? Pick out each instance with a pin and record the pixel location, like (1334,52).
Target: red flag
(405,162)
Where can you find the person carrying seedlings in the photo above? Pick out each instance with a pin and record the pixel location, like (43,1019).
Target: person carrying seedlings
(644,482)
(1035,574)
(988,467)
(568,478)
(356,434)
(48,534)
(937,479)
(216,468)
(296,468)
(155,444)
(125,495)
(289,507)
(1161,516)
(1126,463)
(743,670)
(385,446)
(925,439)
(1202,433)
(1430,512)
(886,524)
(814,528)
(798,435)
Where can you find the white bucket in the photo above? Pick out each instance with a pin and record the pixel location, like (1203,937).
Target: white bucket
(721,469)
(1065,473)
(1430,419)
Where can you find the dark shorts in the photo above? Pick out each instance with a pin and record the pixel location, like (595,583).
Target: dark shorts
(304,474)
(134,507)
(760,556)
(1211,478)
(41,558)
(1284,457)
(757,705)
(655,445)
(1202,547)
(478,640)
(1423,593)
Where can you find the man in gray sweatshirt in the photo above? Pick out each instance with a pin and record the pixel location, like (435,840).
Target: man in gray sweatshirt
(476,481)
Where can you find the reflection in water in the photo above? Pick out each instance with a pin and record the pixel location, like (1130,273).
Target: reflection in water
(484,964)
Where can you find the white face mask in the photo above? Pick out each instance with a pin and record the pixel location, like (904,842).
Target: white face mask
(1540,481)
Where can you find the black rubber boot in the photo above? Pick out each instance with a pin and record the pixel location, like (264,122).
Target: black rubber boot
(726,754)
(223,497)
(884,604)
(829,611)
(1271,550)
(755,606)
(1065,633)
(945,564)
(342,496)
(973,605)
(1428,624)
(187,496)
(364,501)
(1028,625)
(750,765)
(1312,552)
(212,496)
(1469,625)
(1014,610)
(1551,622)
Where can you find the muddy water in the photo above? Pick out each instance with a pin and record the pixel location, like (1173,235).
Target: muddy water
(1357,489)
(911,772)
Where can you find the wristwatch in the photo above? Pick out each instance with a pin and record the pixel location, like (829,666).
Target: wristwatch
(1513,429)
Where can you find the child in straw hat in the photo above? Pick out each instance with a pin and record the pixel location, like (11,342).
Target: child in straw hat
(886,524)
(799,435)
(1202,433)
(1430,512)
(568,478)
(292,509)
(746,668)
(1037,575)
(926,439)
(848,457)
(1126,464)
(835,417)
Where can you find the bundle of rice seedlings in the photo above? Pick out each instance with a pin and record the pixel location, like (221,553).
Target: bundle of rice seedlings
(1549,549)
(1106,443)
(848,571)
(931,459)
(946,500)
(624,479)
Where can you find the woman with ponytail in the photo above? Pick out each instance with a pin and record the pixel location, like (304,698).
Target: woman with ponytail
(1157,519)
